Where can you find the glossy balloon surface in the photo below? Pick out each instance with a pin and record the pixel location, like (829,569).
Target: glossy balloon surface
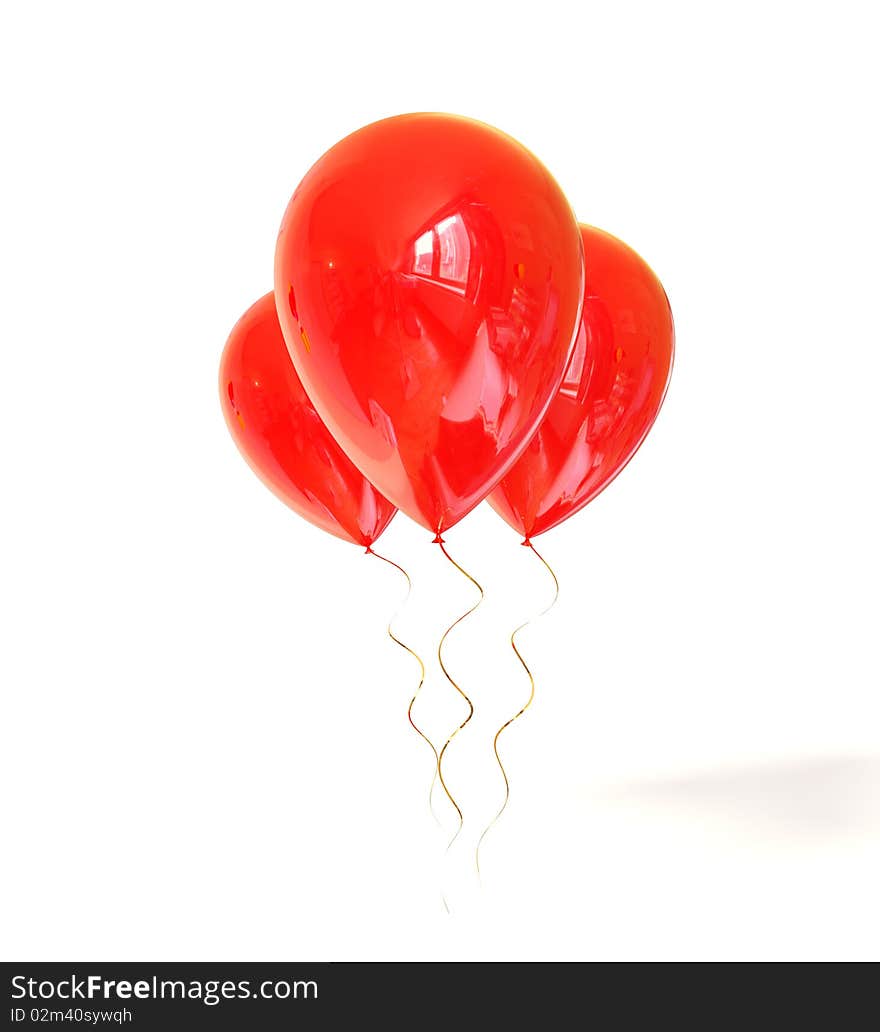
(429,277)
(282,437)
(610,396)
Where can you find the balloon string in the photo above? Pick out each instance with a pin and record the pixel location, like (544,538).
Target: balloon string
(457,687)
(528,702)
(421,683)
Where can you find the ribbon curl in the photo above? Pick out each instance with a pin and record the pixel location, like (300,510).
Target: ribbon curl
(528,701)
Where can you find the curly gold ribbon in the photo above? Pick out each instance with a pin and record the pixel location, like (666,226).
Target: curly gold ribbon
(456,686)
(528,702)
(421,683)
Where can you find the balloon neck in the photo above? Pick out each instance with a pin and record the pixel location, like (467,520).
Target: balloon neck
(369,551)
(438,540)
(526,542)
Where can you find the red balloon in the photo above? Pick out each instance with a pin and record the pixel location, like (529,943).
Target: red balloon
(428,278)
(282,437)
(610,396)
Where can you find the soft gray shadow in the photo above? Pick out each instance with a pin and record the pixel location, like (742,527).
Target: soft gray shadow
(816,798)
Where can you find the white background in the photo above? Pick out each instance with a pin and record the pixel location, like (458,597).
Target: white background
(205,752)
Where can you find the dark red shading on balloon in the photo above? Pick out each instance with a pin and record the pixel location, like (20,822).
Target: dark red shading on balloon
(282,437)
(609,398)
(438,275)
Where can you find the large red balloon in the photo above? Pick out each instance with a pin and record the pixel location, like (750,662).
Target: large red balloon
(429,277)
(609,399)
(282,437)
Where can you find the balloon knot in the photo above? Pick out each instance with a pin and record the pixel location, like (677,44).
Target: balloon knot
(438,540)
(526,542)
(369,551)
